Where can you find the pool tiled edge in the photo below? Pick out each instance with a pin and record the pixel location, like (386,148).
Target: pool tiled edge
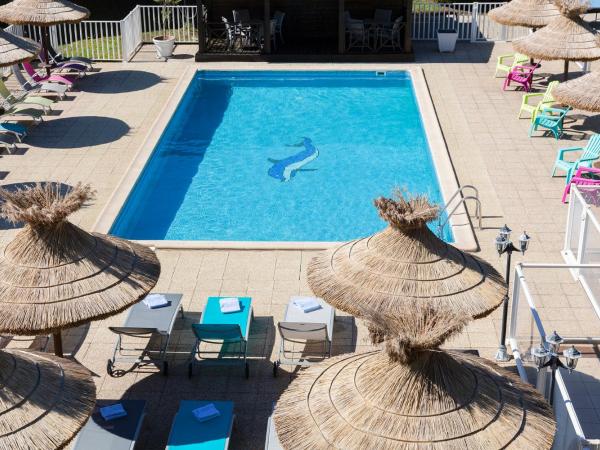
(460,223)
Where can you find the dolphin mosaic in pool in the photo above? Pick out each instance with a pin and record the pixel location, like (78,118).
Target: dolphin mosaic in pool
(285,169)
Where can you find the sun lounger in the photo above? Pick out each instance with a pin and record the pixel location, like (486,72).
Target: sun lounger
(71,67)
(117,434)
(143,322)
(299,327)
(190,434)
(54,78)
(24,100)
(58,58)
(34,87)
(8,141)
(228,330)
(16,129)
(272,440)
(31,113)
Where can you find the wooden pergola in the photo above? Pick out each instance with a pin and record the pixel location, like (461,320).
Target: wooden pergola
(341,25)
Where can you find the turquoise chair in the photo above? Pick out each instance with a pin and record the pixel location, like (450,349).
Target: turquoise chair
(231,330)
(552,119)
(589,154)
(189,434)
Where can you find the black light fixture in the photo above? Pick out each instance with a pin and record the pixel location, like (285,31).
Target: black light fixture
(544,357)
(504,245)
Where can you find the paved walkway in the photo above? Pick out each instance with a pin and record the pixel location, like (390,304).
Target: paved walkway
(94,135)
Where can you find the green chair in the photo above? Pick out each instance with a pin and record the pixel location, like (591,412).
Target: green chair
(544,99)
(503,62)
(589,154)
(552,119)
(23,102)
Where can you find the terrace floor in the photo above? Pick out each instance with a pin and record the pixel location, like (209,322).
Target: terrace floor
(93,136)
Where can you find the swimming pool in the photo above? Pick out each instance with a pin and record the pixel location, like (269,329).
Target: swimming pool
(281,156)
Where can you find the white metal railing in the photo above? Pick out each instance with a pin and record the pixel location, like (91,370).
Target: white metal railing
(582,239)
(132,37)
(526,330)
(179,21)
(470,20)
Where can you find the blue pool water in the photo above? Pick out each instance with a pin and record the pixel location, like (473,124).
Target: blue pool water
(281,156)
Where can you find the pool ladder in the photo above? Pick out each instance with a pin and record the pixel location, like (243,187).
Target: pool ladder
(463,200)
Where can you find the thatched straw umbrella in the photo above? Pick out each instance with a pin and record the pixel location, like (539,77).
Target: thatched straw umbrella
(412,396)
(405,264)
(43,13)
(567,37)
(54,275)
(525,13)
(16,49)
(44,400)
(582,93)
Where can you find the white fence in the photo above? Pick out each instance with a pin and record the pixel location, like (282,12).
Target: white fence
(582,238)
(119,40)
(527,330)
(470,20)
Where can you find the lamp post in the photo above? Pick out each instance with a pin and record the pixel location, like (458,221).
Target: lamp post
(504,245)
(550,358)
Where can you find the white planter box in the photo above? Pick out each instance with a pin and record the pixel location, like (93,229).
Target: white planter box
(447,40)
(164,46)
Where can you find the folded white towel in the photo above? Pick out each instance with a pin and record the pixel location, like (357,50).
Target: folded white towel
(206,412)
(306,304)
(112,412)
(230,305)
(153,301)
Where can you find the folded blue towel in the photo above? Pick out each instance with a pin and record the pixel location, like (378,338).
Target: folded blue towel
(154,301)
(112,412)
(206,412)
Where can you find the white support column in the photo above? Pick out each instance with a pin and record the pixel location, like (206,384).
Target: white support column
(474,21)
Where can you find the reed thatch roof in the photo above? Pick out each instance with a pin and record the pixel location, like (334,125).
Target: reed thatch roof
(525,13)
(42,12)
(413,396)
(16,49)
(55,275)
(581,93)
(44,400)
(567,36)
(405,264)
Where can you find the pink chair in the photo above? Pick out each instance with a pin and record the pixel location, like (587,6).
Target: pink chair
(579,180)
(522,75)
(67,80)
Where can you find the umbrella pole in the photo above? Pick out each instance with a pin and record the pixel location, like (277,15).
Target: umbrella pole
(566,73)
(57,340)
(45,46)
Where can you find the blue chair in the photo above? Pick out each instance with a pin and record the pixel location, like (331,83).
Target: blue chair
(231,330)
(551,119)
(189,434)
(589,154)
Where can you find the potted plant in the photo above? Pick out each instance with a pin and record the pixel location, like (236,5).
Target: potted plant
(447,39)
(165,43)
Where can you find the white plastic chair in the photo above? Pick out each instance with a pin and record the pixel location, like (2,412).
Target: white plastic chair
(356,35)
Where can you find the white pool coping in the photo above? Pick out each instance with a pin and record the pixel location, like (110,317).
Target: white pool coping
(462,230)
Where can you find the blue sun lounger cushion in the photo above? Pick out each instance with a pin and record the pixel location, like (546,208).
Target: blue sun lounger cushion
(189,434)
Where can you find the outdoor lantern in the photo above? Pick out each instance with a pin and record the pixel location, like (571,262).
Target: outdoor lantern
(524,242)
(505,232)
(554,340)
(540,356)
(572,355)
(500,243)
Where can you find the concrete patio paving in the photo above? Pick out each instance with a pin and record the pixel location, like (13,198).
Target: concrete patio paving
(94,135)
